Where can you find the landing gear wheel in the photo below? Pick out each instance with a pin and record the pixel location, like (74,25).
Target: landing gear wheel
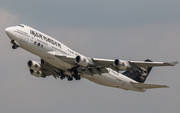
(61,74)
(14,47)
(78,78)
(70,78)
(61,78)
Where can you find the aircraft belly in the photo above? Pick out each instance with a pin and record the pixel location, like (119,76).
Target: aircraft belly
(29,48)
(57,62)
(105,79)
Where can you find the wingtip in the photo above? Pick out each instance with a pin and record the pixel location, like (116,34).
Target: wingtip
(167,87)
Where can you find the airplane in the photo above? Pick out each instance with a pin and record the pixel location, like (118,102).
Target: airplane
(60,61)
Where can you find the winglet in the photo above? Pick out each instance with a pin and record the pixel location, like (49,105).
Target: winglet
(174,63)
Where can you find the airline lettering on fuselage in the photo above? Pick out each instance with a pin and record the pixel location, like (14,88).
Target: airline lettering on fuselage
(35,34)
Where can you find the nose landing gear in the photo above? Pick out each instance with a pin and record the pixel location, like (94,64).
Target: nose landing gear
(15,46)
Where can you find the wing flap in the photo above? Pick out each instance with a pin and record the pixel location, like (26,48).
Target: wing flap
(148,86)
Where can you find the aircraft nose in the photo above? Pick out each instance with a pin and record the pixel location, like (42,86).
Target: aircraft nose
(9,32)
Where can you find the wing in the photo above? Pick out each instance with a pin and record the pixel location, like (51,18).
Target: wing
(148,86)
(107,62)
(117,65)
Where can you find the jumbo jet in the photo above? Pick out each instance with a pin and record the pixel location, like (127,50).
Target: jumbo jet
(60,61)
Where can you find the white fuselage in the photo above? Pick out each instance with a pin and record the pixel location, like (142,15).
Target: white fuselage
(40,44)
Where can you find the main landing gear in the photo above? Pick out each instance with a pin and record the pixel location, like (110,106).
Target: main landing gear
(61,75)
(69,78)
(76,76)
(14,46)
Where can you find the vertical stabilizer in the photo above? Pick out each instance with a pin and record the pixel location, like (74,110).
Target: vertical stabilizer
(139,75)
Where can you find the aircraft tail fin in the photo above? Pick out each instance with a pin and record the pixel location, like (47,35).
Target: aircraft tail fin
(139,75)
(148,86)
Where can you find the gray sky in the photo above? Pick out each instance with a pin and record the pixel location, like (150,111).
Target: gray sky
(129,30)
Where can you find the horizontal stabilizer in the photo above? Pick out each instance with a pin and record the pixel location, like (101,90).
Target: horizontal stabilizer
(148,86)
(174,63)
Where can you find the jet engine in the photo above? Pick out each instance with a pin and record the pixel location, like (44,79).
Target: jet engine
(82,61)
(122,65)
(34,65)
(35,73)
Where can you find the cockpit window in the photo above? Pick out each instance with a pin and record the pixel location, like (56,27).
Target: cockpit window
(21,25)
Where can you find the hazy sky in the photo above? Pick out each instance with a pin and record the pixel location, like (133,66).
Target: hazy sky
(129,30)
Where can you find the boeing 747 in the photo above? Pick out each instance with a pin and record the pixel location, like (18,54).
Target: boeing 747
(60,61)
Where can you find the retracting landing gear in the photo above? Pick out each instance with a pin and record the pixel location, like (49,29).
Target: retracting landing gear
(15,46)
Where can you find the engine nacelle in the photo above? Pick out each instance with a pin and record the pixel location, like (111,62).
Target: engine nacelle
(82,61)
(122,65)
(35,73)
(34,65)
